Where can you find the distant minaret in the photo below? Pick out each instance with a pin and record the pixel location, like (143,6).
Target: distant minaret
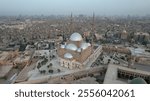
(93,21)
(93,27)
(71,27)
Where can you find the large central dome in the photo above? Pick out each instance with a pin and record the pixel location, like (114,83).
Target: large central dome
(75,37)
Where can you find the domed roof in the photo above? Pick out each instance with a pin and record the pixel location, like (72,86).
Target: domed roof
(124,31)
(68,56)
(84,45)
(75,37)
(89,44)
(79,50)
(138,81)
(62,46)
(71,47)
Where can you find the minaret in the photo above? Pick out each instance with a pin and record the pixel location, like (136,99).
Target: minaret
(71,27)
(93,28)
(93,21)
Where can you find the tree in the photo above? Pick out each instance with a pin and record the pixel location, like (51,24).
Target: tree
(39,65)
(50,71)
(53,56)
(44,71)
(144,43)
(111,57)
(58,70)
(44,61)
(122,57)
(50,64)
(109,60)
(40,71)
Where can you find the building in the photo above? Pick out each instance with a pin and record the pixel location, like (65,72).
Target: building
(76,53)
(141,37)
(124,35)
(7,57)
(117,74)
(23,58)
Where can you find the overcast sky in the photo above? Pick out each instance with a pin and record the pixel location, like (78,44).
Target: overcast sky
(63,7)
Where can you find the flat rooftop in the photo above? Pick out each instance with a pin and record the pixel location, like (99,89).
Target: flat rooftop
(4,69)
(3,55)
(22,59)
(112,71)
(86,80)
(111,75)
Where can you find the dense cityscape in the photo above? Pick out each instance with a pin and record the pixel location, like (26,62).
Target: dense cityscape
(74,49)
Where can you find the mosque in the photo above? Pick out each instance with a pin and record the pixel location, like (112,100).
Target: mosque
(76,53)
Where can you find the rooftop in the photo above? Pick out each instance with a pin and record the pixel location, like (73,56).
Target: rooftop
(4,69)
(111,76)
(3,56)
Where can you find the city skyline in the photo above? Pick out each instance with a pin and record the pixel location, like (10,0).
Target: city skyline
(65,7)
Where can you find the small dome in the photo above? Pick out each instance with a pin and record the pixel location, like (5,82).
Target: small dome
(75,37)
(124,31)
(89,44)
(138,81)
(79,50)
(68,56)
(84,46)
(62,46)
(71,47)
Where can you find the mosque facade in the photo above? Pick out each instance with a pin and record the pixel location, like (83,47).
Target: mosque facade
(75,52)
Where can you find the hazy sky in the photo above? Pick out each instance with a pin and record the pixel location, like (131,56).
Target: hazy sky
(63,7)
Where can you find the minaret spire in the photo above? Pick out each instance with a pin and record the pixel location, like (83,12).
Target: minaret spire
(93,21)
(71,24)
(93,27)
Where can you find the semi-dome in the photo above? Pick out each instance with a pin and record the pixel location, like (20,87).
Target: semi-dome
(75,37)
(84,46)
(71,47)
(68,56)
